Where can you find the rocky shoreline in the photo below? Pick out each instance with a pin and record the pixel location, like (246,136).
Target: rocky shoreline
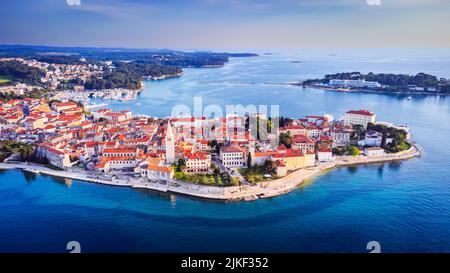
(380,91)
(245,193)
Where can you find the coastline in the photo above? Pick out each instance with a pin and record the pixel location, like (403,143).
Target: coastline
(245,193)
(406,93)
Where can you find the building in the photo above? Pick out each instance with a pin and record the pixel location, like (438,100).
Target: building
(197,162)
(374,152)
(310,160)
(115,152)
(293,159)
(340,136)
(110,116)
(170,145)
(281,169)
(303,142)
(294,130)
(154,169)
(123,163)
(372,139)
(260,157)
(325,155)
(59,107)
(354,83)
(359,117)
(233,157)
(54,156)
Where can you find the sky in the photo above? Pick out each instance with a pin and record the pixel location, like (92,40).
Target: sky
(225,24)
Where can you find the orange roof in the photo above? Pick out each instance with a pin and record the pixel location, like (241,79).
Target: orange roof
(196,156)
(280,163)
(165,169)
(231,149)
(294,127)
(289,153)
(265,154)
(118,150)
(66,104)
(302,139)
(116,158)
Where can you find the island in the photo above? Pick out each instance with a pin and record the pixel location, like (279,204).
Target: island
(214,158)
(420,83)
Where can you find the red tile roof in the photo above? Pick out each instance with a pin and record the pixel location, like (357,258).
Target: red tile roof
(361,112)
(231,149)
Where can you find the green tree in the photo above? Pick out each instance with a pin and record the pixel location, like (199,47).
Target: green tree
(359,131)
(179,176)
(213,143)
(249,160)
(352,150)
(286,139)
(180,164)
(270,166)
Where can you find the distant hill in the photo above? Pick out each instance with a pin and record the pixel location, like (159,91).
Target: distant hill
(150,56)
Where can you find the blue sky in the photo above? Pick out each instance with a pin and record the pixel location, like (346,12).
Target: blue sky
(224,24)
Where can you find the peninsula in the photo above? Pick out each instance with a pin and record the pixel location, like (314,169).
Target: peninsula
(215,158)
(35,71)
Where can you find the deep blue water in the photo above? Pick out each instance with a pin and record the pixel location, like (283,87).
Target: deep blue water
(404,206)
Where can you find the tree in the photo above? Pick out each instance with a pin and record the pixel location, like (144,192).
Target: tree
(235,181)
(180,164)
(213,144)
(179,176)
(352,150)
(249,160)
(270,166)
(359,130)
(286,139)
(285,121)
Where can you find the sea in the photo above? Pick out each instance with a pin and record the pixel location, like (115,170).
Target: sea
(404,206)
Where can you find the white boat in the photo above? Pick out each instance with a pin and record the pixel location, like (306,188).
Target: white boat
(409,98)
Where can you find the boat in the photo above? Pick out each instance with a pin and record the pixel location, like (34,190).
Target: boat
(409,98)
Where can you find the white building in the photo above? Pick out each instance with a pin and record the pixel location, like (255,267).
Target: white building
(340,137)
(197,162)
(325,155)
(170,145)
(122,163)
(359,117)
(55,157)
(354,83)
(372,139)
(374,152)
(155,169)
(233,157)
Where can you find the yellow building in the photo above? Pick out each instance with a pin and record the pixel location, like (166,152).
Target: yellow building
(293,159)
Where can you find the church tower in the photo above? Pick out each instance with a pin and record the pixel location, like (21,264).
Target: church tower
(170,145)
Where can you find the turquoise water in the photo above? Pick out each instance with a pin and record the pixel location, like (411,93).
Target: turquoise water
(404,206)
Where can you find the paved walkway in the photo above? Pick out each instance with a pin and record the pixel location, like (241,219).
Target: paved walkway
(245,192)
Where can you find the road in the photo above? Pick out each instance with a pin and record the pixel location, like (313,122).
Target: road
(232,173)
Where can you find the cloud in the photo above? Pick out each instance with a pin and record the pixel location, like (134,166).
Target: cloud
(73,2)
(374,2)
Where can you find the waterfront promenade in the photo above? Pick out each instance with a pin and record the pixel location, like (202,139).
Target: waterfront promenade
(246,192)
